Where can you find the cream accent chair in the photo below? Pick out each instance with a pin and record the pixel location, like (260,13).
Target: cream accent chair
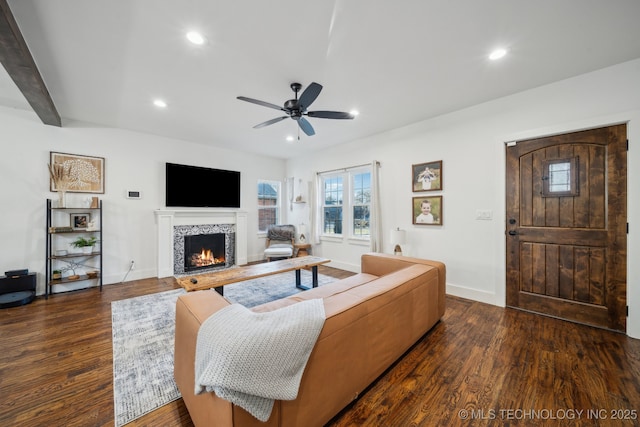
(280,240)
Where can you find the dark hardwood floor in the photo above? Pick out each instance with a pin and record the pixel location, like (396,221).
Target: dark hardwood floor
(481,365)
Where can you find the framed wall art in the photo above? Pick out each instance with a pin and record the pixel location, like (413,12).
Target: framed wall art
(427,210)
(426,176)
(79,221)
(75,173)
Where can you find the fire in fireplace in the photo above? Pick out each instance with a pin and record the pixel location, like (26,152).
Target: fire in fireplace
(204,250)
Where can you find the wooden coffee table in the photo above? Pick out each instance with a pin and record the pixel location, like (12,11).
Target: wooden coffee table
(218,279)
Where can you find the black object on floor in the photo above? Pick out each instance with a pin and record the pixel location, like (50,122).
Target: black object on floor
(17,290)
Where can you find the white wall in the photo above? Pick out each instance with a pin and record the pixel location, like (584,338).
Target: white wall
(133,161)
(470,143)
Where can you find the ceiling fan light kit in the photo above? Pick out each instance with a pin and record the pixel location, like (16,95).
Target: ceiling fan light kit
(296,108)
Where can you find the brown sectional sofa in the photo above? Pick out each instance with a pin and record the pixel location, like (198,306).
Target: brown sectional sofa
(372,318)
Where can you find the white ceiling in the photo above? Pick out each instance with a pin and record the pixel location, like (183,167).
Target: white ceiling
(396,62)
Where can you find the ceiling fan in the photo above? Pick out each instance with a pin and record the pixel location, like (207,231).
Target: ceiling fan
(297,108)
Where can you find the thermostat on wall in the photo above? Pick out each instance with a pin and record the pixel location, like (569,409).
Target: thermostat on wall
(134,195)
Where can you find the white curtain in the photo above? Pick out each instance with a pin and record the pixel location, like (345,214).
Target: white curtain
(315,198)
(375,222)
(289,182)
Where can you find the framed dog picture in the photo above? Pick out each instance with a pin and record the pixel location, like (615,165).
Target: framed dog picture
(426,176)
(427,210)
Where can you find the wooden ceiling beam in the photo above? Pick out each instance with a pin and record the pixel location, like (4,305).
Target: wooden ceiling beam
(17,60)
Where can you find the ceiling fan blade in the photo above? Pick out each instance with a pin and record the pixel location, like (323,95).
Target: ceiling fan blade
(306,126)
(263,103)
(270,122)
(330,114)
(309,95)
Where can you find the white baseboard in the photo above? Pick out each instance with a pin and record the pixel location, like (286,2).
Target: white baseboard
(256,257)
(474,294)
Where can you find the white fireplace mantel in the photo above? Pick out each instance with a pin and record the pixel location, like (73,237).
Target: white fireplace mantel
(166,219)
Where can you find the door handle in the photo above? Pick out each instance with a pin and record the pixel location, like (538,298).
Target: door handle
(512,233)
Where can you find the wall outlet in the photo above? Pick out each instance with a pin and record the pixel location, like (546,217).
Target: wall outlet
(483,214)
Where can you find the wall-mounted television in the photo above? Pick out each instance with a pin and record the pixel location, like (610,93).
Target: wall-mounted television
(198,187)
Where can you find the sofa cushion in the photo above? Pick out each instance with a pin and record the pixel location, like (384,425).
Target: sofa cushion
(281,251)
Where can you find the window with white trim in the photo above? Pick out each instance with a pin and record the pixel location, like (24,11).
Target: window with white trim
(346,203)
(332,204)
(268,204)
(361,203)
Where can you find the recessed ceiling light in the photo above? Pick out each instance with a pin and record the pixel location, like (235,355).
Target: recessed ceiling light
(497,54)
(354,113)
(195,37)
(159,103)
(290,138)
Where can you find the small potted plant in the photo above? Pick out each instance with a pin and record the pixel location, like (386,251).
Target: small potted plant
(56,274)
(85,245)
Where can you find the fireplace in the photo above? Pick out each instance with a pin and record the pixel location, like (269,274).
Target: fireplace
(204,251)
(173,225)
(202,248)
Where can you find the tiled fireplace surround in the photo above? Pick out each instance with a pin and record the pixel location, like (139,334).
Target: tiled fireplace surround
(173,224)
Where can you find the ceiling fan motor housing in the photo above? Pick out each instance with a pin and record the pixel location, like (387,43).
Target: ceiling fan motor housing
(291,104)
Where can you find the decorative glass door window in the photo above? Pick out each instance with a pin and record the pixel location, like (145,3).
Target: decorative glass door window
(560,177)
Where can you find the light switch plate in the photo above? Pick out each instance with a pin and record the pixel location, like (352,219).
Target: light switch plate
(484,214)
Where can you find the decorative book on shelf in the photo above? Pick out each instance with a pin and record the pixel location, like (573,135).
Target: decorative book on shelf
(60,229)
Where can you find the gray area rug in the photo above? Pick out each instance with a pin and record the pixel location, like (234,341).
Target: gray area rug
(143,339)
(143,330)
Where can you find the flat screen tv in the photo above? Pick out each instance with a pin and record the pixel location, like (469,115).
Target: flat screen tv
(198,187)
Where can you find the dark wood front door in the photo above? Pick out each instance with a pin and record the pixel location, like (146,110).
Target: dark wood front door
(566,231)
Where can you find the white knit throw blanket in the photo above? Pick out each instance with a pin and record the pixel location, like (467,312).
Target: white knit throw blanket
(251,359)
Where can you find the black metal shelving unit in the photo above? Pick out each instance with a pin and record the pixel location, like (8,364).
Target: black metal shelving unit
(78,258)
